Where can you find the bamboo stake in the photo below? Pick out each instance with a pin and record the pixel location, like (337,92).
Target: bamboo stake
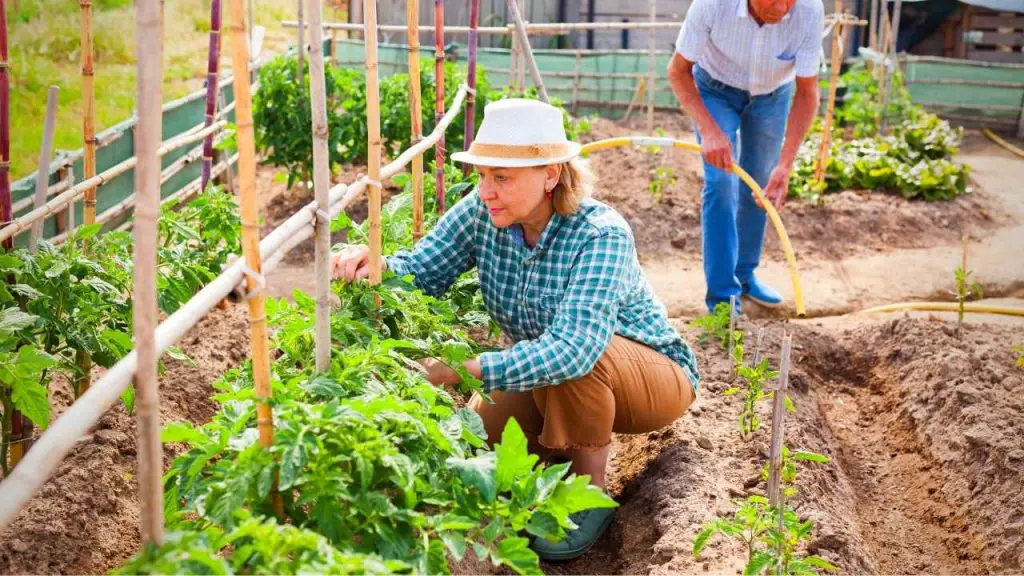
(779,426)
(732,339)
(300,51)
(64,433)
(149,48)
(321,187)
(641,88)
(651,45)
(416,113)
(42,174)
(373,129)
(62,200)
(513,65)
(757,346)
(439,151)
(212,65)
(88,112)
(63,185)
(521,61)
(873,27)
(474,21)
(897,10)
(251,232)
(826,135)
(524,42)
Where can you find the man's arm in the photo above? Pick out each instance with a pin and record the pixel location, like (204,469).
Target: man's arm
(801,117)
(714,144)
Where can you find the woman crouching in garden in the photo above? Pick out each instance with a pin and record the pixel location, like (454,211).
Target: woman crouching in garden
(594,353)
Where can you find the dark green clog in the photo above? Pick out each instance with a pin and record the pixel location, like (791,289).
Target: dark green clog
(592,523)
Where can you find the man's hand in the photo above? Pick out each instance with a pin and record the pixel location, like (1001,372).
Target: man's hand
(777,188)
(716,149)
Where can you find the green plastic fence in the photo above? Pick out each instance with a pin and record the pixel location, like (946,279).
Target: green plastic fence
(995,105)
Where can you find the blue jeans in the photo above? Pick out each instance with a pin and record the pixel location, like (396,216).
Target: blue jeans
(732,225)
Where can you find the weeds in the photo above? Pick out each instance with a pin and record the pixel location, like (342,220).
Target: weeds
(662,177)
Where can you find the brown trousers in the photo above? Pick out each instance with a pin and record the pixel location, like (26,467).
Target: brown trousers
(631,390)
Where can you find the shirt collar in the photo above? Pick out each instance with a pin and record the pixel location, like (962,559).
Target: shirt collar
(519,237)
(742,11)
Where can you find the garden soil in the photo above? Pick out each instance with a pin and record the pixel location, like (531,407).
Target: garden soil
(923,430)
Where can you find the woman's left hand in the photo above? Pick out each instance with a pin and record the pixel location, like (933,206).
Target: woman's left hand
(440,374)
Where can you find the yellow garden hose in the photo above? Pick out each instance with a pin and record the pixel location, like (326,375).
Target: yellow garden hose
(972,307)
(787,248)
(995,138)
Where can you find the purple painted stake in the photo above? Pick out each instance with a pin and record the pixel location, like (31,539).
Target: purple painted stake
(474,20)
(212,63)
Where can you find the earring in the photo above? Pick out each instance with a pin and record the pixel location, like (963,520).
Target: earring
(548,193)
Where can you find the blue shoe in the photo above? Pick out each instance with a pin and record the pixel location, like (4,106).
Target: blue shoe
(762,293)
(591,524)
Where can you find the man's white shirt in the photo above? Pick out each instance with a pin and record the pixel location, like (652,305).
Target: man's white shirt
(723,38)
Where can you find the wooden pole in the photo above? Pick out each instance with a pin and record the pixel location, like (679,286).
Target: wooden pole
(873,26)
(149,48)
(577,69)
(416,113)
(212,87)
(513,65)
(826,135)
(894,36)
(757,346)
(524,42)
(251,231)
(300,51)
(88,112)
(43,173)
(474,22)
(651,46)
(520,60)
(373,133)
(321,187)
(17,450)
(439,151)
(732,340)
(779,426)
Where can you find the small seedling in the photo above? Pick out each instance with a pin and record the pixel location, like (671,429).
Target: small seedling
(756,525)
(755,376)
(661,178)
(965,290)
(654,148)
(789,469)
(1019,351)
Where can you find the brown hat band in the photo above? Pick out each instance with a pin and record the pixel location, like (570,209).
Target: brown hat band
(520,151)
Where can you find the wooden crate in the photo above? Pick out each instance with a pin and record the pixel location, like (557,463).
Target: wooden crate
(992,36)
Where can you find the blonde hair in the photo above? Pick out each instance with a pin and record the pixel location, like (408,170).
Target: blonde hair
(575,183)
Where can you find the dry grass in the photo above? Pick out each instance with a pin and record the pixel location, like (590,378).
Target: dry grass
(44,51)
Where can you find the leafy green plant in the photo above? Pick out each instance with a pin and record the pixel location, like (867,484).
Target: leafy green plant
(756,525)
(662,177)
(1019,351)
(714,326)
(915,159)
(755,377)
(22,374)
(964,290)
(789,470)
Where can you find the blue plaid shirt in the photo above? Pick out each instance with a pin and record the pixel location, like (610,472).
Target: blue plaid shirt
(560,301)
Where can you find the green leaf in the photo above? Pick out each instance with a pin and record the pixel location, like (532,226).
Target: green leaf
(456,544)
(181,431)
(543,525)
(704,536)
(30,361)
(810,456)
(30,399)
(821,563)
(758,563)
(479,473)
(26,291)
(437,561)
(14,319)
(516,554)
(512,455)
(471,421)
(128,399)
(8,262)
(179,355)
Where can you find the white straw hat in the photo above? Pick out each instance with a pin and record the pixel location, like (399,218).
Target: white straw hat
(516,133)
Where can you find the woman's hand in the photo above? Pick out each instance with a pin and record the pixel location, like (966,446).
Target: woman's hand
(352,263)
(440,374)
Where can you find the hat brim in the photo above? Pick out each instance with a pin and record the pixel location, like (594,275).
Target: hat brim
(496,162)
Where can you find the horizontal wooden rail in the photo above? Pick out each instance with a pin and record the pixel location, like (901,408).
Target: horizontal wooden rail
(556,29)
(61,200)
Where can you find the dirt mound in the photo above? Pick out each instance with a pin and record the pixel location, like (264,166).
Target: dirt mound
(85,519)
(924,436)
(844,224)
